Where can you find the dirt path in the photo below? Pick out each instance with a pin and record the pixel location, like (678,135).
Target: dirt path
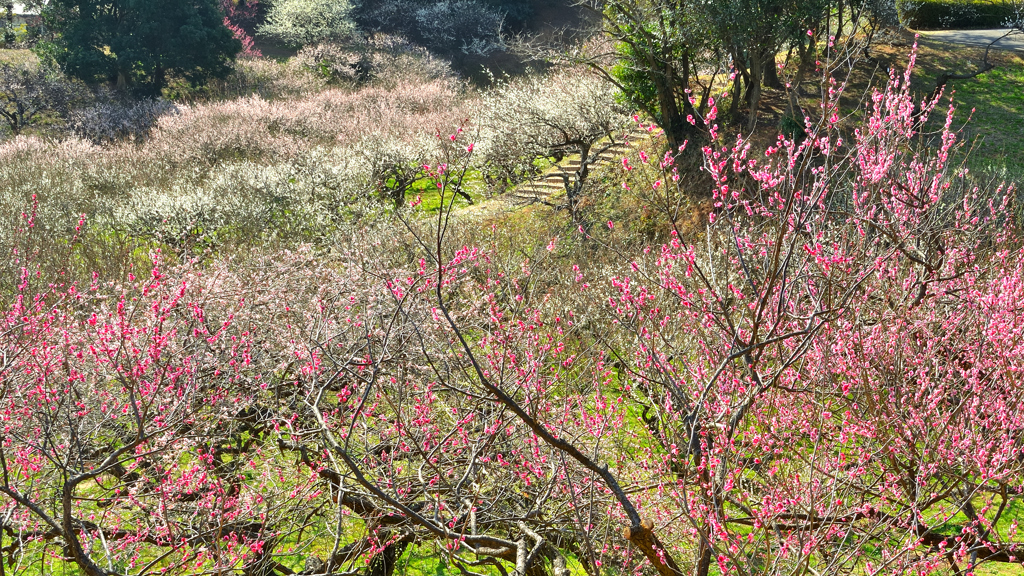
(980,38)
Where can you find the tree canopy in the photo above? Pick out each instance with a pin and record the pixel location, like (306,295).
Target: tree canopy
(666,54)
(29,92)
(302,22)
(139,42)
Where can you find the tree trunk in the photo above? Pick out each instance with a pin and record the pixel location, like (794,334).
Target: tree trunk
(159,80)
(70,532)
(771,74)
(558,563)
(574,189)
(643,537)
(703,558)
(737,97)
(839,23)
(671,120)
(806,51)
(754,88)
(538,568)
(383,564)
(688,110)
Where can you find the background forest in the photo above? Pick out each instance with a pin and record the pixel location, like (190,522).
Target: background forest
(482,287)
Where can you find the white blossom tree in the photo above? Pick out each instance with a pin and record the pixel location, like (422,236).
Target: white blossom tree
(303,22)
(548,117)
(28,92)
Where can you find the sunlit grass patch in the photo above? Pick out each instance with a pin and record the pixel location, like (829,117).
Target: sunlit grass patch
(17,57)
(990,106)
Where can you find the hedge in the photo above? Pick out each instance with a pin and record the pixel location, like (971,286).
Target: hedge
(946,14)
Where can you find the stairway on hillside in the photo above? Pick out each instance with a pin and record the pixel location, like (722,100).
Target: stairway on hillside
(549,184)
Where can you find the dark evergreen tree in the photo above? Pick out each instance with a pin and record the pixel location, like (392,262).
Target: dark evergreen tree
(139,42)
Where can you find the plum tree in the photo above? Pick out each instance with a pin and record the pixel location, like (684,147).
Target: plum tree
(527,120)
(27,92)
(823,380)
(305,22)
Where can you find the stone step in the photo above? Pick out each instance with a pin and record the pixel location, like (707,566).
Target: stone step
(617,146)
(538,187)
(611,152)
(638,131)
(530,198)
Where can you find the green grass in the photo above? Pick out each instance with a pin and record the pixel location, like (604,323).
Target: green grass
(997,125)
(989,107)
(430,197)
(999,569)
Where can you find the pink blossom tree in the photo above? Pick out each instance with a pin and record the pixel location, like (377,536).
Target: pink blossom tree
(824,381)
(875,252)
(239,15)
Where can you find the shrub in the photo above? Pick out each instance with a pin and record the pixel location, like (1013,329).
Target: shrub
(465,25)
(267,79)
(7,32)
(249,49)
(516,13)
(113,119)
(391,164)
(243,13)
(391,17)
(449,26)
(222,174)
(943,14)
(382,60)
(238,16)
(394,62)
(1016,19)
(29,92)
(333,62)
(237,201)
